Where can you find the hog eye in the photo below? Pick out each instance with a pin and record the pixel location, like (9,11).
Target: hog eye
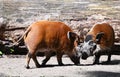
(91,50)
(91,42)
(94,47)
(78,42)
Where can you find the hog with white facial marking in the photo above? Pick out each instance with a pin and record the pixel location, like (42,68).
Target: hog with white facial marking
(99,40)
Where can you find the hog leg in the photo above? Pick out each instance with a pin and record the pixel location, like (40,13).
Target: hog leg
(59,58)
(96,58)
(35,61)
(28,57)
(33,56)
(109,57)
(48,55)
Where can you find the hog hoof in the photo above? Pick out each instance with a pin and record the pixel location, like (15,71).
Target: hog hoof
(108,61)
(27,67)
(77,63)
(43,64)
(38,66)
(95,63)
(61,64)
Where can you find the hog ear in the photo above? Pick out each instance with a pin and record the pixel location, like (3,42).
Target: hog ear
(99,36)
(71,36)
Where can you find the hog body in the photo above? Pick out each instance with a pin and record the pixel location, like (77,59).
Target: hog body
(48,37)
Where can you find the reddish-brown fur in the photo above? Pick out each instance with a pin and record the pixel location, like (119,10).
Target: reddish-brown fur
(49,36)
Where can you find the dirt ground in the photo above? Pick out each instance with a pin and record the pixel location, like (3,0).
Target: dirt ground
(16,67)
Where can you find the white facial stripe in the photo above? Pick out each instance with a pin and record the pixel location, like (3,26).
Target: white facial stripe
(86,48)
(88,53)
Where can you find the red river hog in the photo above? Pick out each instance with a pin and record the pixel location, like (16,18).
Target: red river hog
(99,41)
(48,37)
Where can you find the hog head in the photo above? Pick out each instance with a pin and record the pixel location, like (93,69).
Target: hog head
(90,47)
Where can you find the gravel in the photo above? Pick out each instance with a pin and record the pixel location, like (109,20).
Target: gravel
(16,67)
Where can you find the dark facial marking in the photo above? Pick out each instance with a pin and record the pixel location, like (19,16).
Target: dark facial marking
(88,37)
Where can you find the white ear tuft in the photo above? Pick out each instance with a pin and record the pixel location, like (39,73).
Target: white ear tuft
(68,35)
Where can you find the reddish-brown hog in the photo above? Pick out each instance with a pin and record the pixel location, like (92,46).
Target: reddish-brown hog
(99,40)
(48,37)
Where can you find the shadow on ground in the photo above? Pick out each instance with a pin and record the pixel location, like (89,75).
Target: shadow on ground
(113,62)
(101,74)
(52,65)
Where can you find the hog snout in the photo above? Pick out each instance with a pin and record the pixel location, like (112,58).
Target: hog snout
(84,55)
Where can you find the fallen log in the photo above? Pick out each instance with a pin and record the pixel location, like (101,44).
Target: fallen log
(12,29)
